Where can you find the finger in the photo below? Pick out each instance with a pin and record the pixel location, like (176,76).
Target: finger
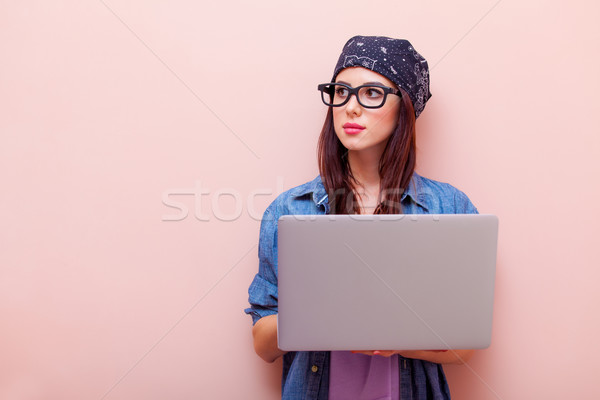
(366,352)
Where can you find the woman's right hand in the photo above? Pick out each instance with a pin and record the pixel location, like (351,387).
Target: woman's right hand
(264,333)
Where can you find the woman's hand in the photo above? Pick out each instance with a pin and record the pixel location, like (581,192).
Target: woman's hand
(383,353)
(435,356)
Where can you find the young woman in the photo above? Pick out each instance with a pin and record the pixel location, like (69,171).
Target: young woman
(366,155)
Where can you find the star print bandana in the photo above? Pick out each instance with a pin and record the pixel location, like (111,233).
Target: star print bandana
(396,59)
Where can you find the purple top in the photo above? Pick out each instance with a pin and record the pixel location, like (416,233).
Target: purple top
(358,376)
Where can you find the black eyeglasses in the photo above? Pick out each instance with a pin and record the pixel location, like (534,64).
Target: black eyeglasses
(368,96)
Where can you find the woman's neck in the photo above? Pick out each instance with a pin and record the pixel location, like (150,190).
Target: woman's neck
(365,168)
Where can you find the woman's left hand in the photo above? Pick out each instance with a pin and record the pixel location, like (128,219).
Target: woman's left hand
(384,353)
(435,356)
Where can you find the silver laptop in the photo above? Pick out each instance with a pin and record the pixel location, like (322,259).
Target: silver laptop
(386,282)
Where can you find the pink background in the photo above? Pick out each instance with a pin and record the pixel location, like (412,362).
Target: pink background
(113,113)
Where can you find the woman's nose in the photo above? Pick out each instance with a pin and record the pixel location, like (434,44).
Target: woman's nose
(352,106)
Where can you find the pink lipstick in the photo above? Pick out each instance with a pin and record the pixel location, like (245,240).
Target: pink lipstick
(352,129)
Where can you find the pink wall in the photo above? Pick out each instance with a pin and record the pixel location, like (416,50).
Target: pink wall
(109,108)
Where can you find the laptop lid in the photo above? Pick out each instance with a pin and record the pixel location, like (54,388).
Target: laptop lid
(386,282)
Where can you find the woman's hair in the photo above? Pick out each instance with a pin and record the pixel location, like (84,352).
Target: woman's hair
(396,165)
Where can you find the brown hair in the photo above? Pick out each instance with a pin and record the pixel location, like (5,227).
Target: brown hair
(396,165)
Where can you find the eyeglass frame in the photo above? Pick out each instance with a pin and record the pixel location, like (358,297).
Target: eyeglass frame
(354,91)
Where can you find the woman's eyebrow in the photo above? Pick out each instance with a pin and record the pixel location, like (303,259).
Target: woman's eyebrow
(366,83)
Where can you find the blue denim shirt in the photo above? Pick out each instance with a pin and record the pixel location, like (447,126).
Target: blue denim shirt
(306,374)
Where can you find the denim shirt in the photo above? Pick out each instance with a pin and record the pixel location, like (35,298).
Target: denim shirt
(306,373)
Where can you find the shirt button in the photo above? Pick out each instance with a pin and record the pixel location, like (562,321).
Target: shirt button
(314,368)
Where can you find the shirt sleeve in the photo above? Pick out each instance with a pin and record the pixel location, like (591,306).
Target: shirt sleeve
(462,204)
(262,293)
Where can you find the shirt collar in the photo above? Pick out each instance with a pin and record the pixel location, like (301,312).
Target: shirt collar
(317,191)
(417,191)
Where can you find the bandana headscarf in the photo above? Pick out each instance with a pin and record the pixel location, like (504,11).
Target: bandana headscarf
(396,59)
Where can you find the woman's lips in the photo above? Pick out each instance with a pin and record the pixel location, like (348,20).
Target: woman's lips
(352,129)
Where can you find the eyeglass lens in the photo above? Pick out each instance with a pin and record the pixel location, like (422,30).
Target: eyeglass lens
(369,96)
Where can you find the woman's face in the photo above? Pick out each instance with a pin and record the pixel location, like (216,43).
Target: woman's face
(365,129)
